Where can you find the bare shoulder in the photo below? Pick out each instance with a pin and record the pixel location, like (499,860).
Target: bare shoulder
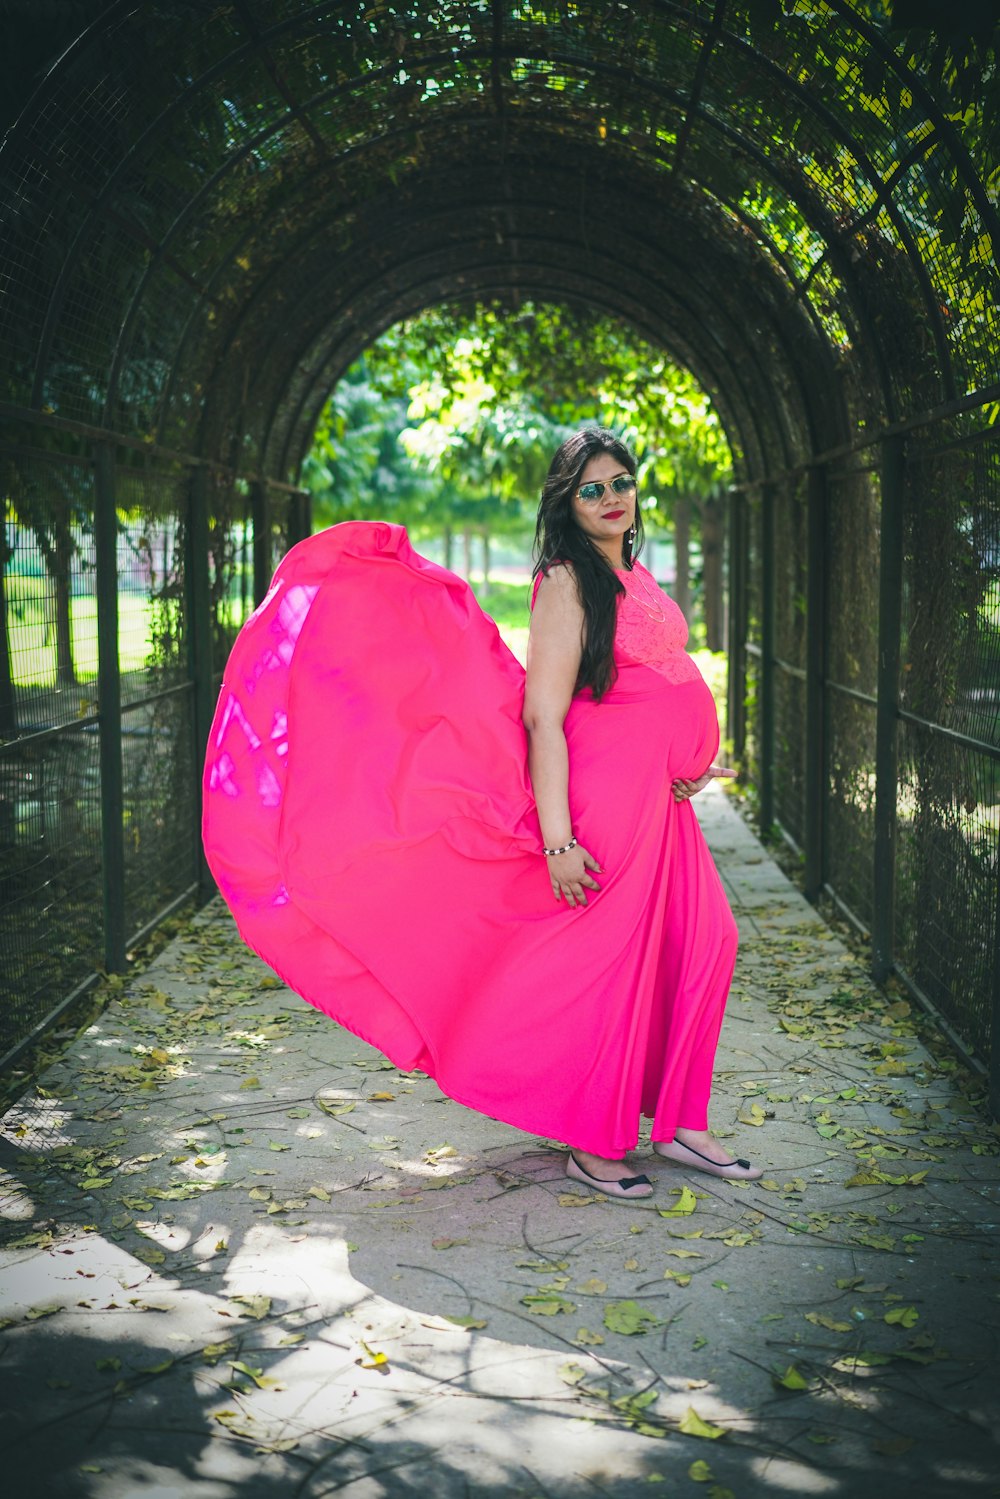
(557,624)
(558,587)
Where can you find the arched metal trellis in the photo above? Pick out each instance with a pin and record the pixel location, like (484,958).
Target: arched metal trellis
(211,210)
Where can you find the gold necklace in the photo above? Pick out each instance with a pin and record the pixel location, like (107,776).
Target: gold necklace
(653,611)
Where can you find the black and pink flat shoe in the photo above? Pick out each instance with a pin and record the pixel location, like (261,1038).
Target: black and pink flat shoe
(686,1155)
(626,1188)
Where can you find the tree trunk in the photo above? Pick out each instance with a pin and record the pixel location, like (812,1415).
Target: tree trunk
(486,564)
(57,550)
(448,537)
(8,703)
(711,552)
(682,550)
(467,552)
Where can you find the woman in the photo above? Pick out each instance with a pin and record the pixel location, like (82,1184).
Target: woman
(603,634)
(369,817)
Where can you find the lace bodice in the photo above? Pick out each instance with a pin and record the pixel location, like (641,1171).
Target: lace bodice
(640,636)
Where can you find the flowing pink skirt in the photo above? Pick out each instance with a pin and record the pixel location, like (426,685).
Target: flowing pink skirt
(369,821)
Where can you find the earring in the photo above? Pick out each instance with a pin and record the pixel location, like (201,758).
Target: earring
(630,533)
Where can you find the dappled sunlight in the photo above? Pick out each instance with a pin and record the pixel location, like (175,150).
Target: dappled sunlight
(782,1476)
(291,1355)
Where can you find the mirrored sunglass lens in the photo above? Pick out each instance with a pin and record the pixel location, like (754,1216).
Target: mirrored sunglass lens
(623,484)
(591,491)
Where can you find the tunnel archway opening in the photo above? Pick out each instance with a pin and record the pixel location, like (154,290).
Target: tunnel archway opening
(447,424)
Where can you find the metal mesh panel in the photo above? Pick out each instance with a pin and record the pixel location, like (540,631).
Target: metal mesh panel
(949,782)
(159,777)
(951,583)
(850,807)
(230,556)
(853,535)
(51,915)
(152,601)
(52,896)
(754,607)
(280,514)
(789,753)
(161,806)
(48,592)
(790,651)
(944,310)
(946,876)
(50,846)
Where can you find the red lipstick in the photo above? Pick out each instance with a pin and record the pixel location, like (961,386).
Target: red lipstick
(613,514)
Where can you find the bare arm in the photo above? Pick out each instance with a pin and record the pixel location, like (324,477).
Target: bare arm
(555,646)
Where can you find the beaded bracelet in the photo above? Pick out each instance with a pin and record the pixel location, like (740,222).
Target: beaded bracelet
(549,852)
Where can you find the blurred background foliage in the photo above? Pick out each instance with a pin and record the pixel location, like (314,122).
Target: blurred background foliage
(448,422)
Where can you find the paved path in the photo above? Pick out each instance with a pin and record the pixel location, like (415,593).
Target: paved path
(244,1256)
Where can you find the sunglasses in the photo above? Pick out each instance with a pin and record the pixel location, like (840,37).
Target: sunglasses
(591,493)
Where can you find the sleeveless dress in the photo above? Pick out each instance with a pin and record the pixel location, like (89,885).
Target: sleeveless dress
(369,820)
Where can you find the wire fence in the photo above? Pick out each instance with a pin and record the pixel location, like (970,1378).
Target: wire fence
(104,696)
(904,593)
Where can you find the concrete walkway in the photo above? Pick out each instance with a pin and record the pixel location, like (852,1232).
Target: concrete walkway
(243,1255)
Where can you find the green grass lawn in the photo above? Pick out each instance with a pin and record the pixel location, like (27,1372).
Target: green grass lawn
(33,657)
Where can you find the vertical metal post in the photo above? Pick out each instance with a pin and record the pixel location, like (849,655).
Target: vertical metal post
(766,787)
(994,1056)
(260,510)
(300,517)
(8,700)
(815,766)
(736,698)
(199,610)
(294,519)
(887,713)
(109,708)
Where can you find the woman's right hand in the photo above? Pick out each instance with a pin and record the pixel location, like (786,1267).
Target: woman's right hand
(568,875)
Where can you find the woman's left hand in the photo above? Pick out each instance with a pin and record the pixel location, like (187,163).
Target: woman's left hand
(684,790)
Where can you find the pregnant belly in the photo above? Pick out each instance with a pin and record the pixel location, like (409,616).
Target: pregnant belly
(646,731)
(691,726)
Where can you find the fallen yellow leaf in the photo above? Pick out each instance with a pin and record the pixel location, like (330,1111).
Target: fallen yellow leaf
(902,1316)
(685,1204)
(791,1379)
(694,1426)
(37,1312)
(820,1319)
(374,1359)
(256,1306)
(587,1339)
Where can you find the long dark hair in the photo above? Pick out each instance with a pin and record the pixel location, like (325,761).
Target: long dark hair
(558,538)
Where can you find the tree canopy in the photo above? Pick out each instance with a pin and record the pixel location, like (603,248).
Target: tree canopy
(450,419)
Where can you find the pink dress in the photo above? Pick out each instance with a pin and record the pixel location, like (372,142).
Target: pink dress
(369,820)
